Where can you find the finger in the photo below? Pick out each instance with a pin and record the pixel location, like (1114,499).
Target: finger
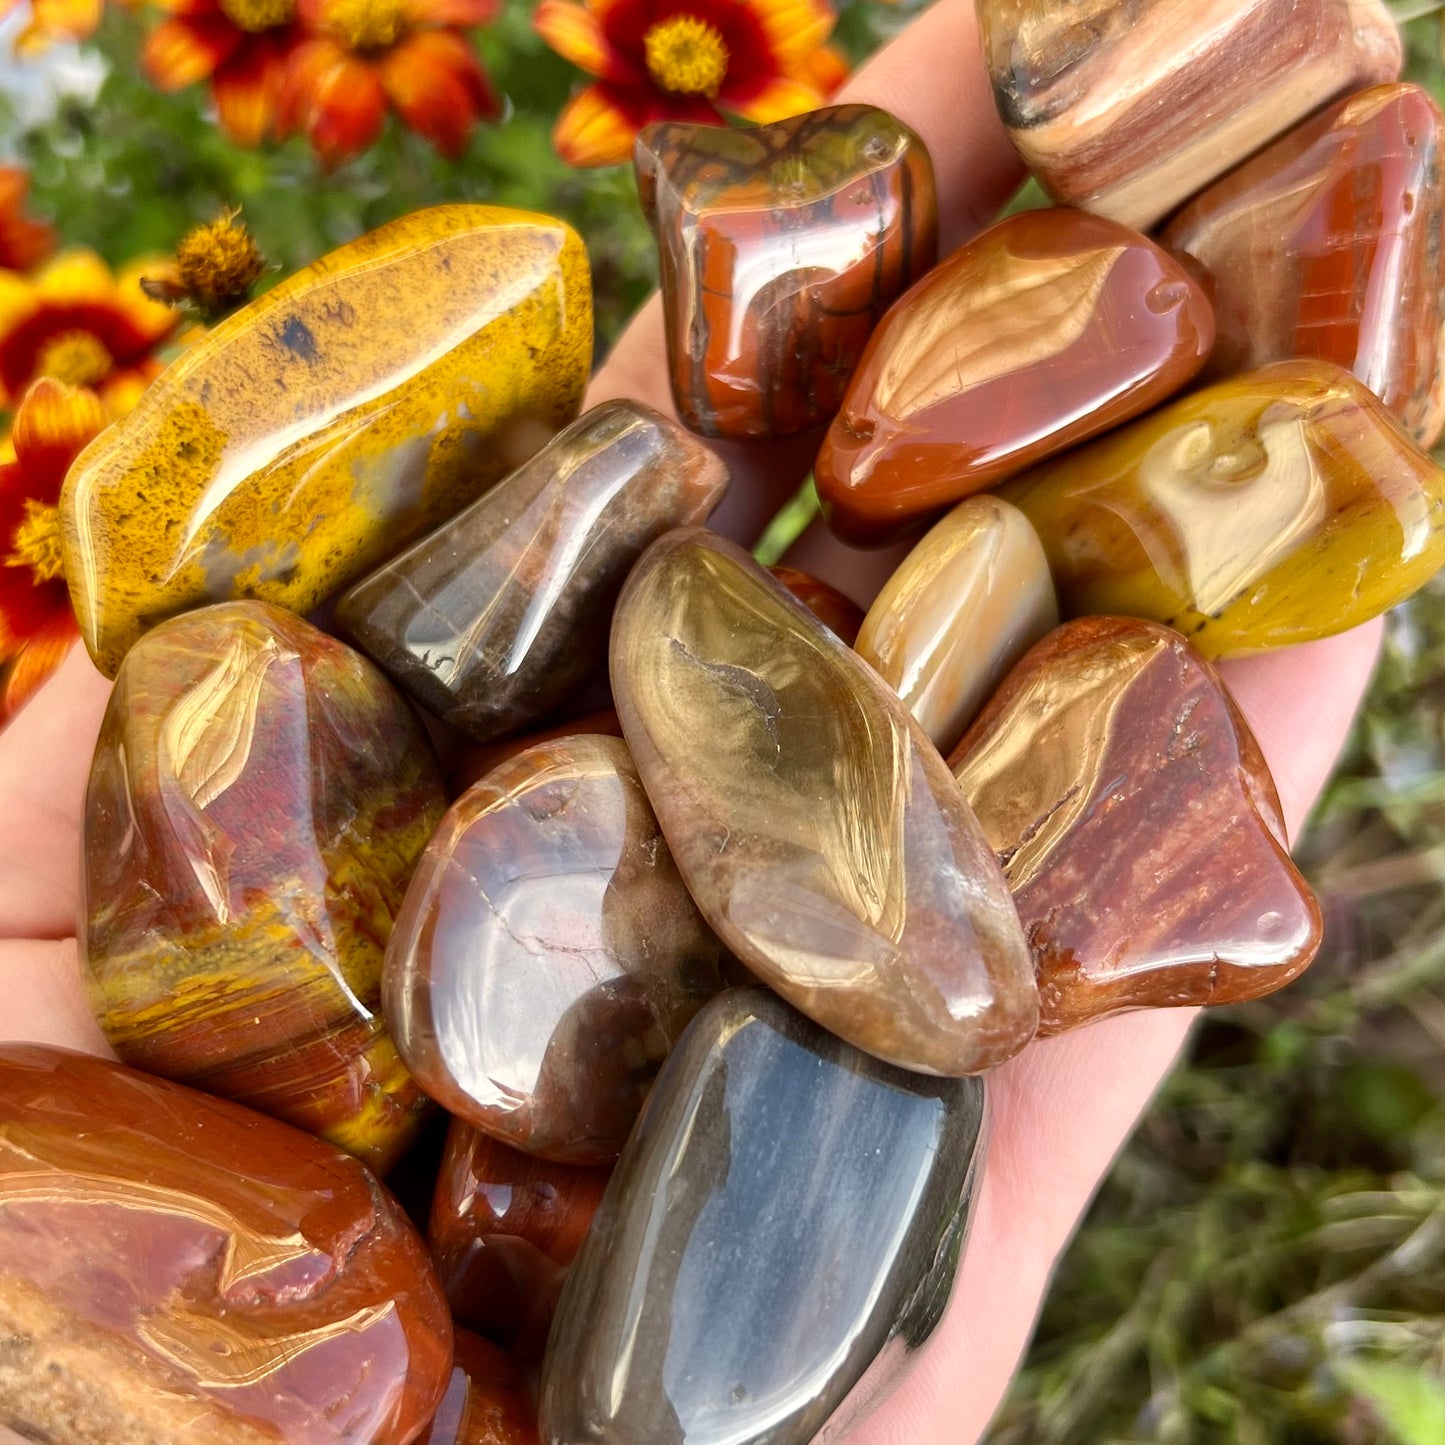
(45,998)
(933,78)
(1065,1106)
(45,759)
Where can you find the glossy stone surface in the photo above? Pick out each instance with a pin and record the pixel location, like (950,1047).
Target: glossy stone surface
(476,760)
(259,796)
(1138,826)
(967,602)
(1328,244)
(504,1230)
(1127,110)
(343,413)
(814,823)
(839,614)
(497,618)
(548,955)
(1049,327)
(1279,506)
(175,1268)
(787,1208)
(487,1401)
(780,247)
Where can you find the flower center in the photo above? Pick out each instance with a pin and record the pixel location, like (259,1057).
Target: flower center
(367,24)
(686,56)
(255,16)
(78,358)
(218,263)
(37,541)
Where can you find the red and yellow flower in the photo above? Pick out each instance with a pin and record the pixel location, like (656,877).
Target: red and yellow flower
(52,20)
(24,243)
(37,626)
(77,322)
(685,60)
(365,57)
(240,46)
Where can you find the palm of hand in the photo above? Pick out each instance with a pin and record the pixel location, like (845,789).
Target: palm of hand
(1064,1106)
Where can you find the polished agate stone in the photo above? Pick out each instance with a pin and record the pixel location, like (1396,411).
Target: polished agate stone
(1049,327)
(548,955)
(345,412)
(967,602)
(812,820)
(1137,825)
(788,1214)
(505,1228)
(476,760)
(1279,506)
(259,796)
(1328,244)
(499,616)
(1127,110)
(839,614)
(780,247)
(175,1268)
(487,1401)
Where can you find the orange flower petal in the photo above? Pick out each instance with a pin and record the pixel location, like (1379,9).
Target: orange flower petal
(247,91)
(825,69)
(593,130)
(52,20)
(178,53)
(76,277)
(309,63)
(438,87)
(465,13)
(123,388)
(573,32)
(779,98)
(794,28)
(53,423)
(346,112)
(23,242)
(6,6)
(36,663)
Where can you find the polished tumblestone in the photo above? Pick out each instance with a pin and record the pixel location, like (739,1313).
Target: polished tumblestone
(345,412)
(965,604)
(1049,327)
(1328,244)
(1281,505)
(259,797)
(788,1214)
(487,1402)
(175,1268)
(496,618)
(780,247)
(1137,825)
(812,820)
(839,614)
(1128,109)
(504,1230)
(548,954)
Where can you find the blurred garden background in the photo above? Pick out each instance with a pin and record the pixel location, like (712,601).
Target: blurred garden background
(1266,1264)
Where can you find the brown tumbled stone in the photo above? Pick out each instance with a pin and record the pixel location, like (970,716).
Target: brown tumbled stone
(1137,825)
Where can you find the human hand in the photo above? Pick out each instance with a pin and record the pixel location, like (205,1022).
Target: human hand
(1063,1107)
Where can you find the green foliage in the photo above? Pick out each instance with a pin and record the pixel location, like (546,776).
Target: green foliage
(1411,1405)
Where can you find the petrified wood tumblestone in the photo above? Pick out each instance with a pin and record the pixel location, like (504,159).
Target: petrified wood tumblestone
(812,820)
(780,247)
(1128,109)
(787,1210)
(504,1230)
(259,796)
(176,1268)
(1137,825)
(1281,505)
(1047,328)
(548,954)
(965,604)
(497,617)
(1329,244)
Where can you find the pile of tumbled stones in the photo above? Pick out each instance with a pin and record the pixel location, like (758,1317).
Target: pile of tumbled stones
(700,981)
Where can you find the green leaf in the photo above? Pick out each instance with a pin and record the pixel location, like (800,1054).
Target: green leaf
(1410,1403)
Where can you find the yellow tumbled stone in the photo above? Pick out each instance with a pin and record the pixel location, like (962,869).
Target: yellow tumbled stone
(320,429)
(1279,506)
